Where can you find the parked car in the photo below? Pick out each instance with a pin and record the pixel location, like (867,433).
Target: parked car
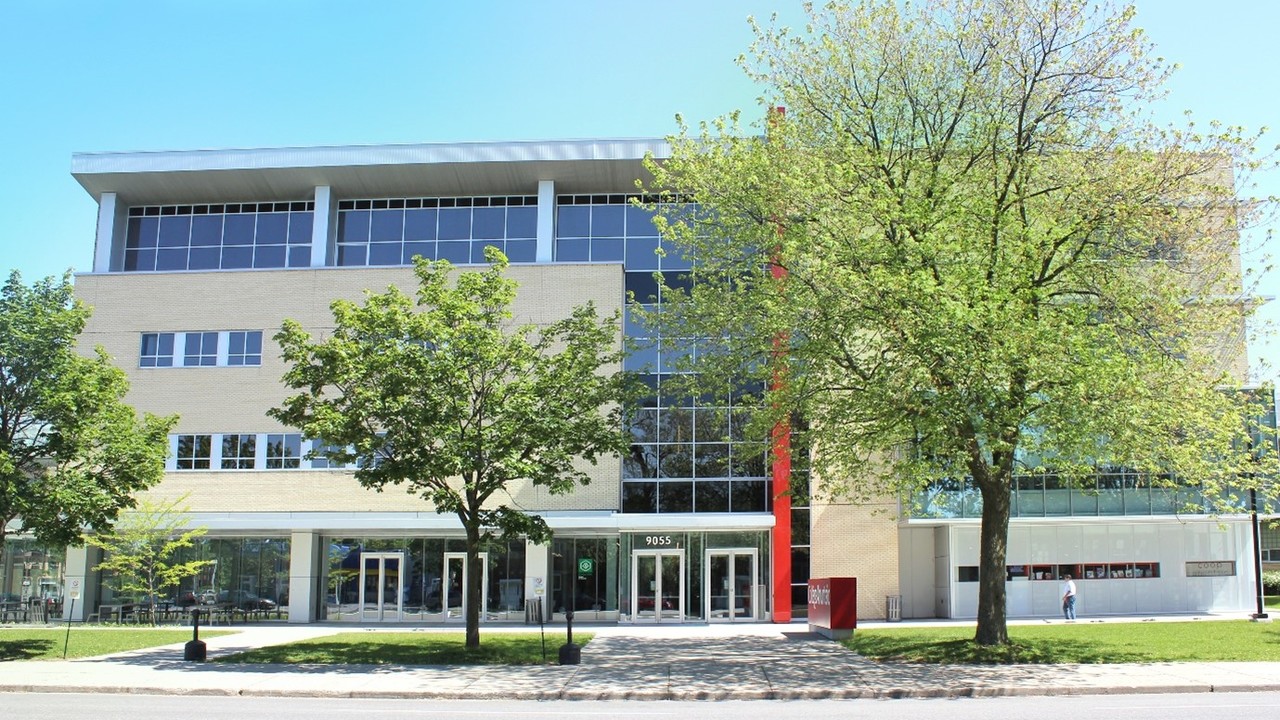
(244,600)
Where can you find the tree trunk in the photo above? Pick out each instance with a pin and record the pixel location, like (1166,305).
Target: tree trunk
(992,596)
(475,576)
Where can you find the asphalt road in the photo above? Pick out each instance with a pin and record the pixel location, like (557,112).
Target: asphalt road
(1201,706)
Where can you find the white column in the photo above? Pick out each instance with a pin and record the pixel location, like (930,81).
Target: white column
(304,568)
(546,220)
(320,225)
(105,241)
(537,576)
(77,577)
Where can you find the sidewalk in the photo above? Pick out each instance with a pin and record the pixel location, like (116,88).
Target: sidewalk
(685,662)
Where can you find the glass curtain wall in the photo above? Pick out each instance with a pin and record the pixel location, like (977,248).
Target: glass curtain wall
(689,454)
(432,584)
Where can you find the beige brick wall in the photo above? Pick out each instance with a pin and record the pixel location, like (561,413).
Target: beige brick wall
(235,399)
(858,541)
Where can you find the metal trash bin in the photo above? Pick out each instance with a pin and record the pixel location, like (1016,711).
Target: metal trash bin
(533,611)
(893,608)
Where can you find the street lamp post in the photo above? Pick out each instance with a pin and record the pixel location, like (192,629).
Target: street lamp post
(1261,613)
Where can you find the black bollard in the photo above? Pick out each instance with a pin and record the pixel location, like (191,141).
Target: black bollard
(195,650)
(570,654)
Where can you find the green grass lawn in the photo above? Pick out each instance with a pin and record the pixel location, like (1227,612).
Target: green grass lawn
(1272,602)
(46,643)
(1081,642)
(407,648)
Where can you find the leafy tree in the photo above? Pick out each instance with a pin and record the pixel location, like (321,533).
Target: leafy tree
(448,396)
(72,453)
(143,550)
(964,251)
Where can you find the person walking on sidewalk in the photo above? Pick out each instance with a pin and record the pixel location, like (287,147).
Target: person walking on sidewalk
(1068,598)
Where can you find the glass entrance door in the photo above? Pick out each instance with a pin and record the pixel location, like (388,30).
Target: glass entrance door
(657,586)
(381,587)
(732,577)
(454,594)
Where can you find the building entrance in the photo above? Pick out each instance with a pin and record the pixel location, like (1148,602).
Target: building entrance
(657,585)
(733,583)
(381,587)
(454,595)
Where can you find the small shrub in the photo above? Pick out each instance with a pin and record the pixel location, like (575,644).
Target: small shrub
(1271,582)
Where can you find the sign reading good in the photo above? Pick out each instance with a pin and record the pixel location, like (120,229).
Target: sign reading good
(1211,568)
(73,589)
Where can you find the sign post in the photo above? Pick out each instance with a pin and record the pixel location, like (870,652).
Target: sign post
(73,594)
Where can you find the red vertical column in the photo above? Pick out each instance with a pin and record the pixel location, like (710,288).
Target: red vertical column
(781,468)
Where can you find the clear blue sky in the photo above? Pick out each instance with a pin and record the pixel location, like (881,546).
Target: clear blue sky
(93,76)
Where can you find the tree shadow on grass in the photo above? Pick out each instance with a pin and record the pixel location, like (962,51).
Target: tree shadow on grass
(24,649)
(966,651)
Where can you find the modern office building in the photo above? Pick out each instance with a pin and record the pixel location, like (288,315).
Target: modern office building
(201,255)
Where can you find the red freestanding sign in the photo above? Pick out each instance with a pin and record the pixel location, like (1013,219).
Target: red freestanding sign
(833,606)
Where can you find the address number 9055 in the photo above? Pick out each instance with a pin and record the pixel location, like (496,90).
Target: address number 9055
(659,540)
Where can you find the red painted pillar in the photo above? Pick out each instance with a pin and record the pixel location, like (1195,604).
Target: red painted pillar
(781,469)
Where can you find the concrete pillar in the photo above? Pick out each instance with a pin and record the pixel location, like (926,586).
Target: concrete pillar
(546,220)
(537,576)
(304,575)
(108,249)
(79,575)
(321,224)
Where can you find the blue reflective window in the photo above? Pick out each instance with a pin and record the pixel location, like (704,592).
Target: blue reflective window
(201,349)
(273,229)
(352,255)
(157,350)
(455,224)
(205,258)
(175,232)
(269,256)
(458,253)
(171,259)
(522,250)
(607,220)
(573,250)
(300,256)
(642,253)
(142,232)
(712,496)
(573,221)
(639,497)
(419,225)
(206,231)
(489,223)
(522,222)
(640,222)
(675,258)
(642,284)
(300,224)
(238,230)
(353,226)
(237,257)
(385,253)
(426,249)
(477,250)
(140,260)
(675,497)
(386,226)
(607,249)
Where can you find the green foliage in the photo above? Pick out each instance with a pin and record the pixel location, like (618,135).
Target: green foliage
(72,453)
(142,551)
(1112,642)
(1271,582)
(445,394)
(46,643)
(969,253)
(408,649)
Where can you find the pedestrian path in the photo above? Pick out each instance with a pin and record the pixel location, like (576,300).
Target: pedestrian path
(683,662)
